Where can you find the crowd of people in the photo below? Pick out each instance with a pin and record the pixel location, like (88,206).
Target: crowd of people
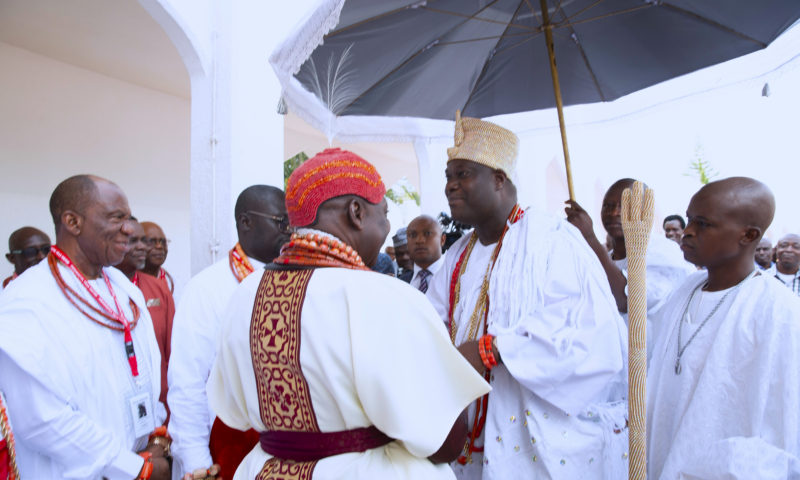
(307,352)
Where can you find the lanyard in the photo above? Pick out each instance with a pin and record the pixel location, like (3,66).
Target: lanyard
(134,280)
(118,315)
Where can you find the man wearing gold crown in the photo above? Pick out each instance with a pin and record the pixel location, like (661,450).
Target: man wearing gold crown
(344,372)
(527,303)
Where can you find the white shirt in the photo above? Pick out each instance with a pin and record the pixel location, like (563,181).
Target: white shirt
(195,332)
(734,410)
(433,268)
(561,343)
(67,380)
(373,352)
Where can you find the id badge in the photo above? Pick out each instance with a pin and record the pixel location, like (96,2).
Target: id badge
(142,414)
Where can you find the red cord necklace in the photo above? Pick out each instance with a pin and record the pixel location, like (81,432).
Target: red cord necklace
(115,317)
(319,249)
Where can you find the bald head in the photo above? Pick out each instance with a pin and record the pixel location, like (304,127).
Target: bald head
(27,246)
(743,200)
(255,197)
(20,238)
(262,223)
(75,193)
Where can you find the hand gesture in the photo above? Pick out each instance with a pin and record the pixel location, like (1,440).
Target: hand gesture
(203,474)
(577,216)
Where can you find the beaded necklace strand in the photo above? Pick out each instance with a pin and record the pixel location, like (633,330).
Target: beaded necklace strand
(479,315)
(7,444)
(319,249)
(240,264)
(108,321)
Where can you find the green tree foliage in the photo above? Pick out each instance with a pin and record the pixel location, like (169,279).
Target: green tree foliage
(290,165)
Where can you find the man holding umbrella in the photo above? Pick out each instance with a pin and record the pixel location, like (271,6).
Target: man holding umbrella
(527,303)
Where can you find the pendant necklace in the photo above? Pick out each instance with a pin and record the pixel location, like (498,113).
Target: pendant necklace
(685,316)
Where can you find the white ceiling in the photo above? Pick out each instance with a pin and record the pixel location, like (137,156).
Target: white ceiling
(117,38)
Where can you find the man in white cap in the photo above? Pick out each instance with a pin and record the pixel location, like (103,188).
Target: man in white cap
(527,303)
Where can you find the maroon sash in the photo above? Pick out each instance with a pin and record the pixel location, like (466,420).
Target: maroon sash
(313,446)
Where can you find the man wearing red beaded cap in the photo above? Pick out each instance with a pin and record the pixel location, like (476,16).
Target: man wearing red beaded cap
(346,373)
(527,303)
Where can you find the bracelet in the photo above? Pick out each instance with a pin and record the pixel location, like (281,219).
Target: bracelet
(485,351)
(147,468)
(161,437)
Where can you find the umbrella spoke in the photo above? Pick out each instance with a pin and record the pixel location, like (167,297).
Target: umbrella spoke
(605,15)
(418,52)
(574,36)
(718,25)
(474,17)
(533,11)
(456,42)
(488,60)
(333,33)
(598,2)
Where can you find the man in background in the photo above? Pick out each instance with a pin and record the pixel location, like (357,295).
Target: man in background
(673,227)
(425,241)
(764,253)
(405,267)
(262,225)
(156,296)
(787,266)
(157,255)
(27,246)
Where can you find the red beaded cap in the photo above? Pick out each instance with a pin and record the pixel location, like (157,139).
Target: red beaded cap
(331,173)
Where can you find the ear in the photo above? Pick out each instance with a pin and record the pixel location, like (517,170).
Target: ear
(442,240)
(356,213)
(751,235)
(500,179)
(72,222)
(243,222)
(10,258)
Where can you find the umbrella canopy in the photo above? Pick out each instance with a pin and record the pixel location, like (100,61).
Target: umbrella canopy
(488,57)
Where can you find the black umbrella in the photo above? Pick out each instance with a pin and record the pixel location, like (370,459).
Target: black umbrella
(489,57)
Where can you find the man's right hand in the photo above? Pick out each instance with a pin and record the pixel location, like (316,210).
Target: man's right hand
(161,470)
(577,216)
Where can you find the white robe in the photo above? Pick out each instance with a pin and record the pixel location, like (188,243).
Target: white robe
(734,411)
(373,352)
(68,382)
(195,333)
(561,341)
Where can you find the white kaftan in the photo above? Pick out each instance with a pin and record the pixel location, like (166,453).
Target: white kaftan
(734,411)
(373,352)
(561,341)
(195,334)
(68,382)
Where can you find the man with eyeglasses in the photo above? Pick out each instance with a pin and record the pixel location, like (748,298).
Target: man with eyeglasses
(157,254)
(157,297)
(262,225)
(27,246)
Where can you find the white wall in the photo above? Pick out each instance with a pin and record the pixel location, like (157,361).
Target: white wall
(58,120)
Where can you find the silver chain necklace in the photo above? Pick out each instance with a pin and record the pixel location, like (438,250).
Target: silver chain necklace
(682,349)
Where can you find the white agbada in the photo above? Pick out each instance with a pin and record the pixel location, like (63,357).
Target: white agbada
(561,341)
(68,382)
(373,352)
(734,411)
(195,333)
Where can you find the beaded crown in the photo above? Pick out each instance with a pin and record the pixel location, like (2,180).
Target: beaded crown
(331,173)
(485,143)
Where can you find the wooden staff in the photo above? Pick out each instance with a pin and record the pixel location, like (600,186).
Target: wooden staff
(551,52)
(637,221)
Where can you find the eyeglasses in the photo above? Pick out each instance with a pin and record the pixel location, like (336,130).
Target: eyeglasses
(282,221)
(156,241)
(31,252)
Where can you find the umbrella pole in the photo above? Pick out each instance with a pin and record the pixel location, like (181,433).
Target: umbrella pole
(637,221)
(551,53)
